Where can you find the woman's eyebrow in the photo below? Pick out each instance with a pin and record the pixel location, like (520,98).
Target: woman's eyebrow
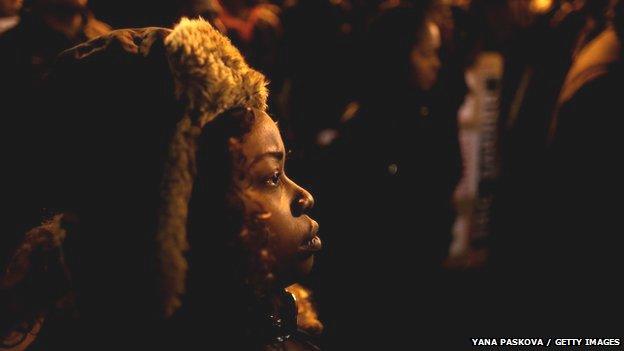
(278,155)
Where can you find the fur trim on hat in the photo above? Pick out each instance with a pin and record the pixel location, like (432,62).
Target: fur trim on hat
(211,76)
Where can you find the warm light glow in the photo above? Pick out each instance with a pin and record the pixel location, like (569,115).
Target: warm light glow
(307,318)
(541,6)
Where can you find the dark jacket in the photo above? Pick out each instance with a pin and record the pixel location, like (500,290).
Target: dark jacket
(404,158)
(567,225)
(387,208)
(583,176)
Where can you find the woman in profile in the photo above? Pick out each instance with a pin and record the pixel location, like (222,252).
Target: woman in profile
(173,224)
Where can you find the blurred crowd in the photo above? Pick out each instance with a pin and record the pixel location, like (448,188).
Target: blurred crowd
(449,144)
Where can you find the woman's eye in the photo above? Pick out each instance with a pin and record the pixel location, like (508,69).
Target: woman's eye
(275,179)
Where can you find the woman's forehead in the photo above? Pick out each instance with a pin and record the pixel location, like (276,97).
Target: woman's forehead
(264,137)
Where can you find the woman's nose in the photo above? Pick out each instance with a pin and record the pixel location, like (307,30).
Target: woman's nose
(303,201)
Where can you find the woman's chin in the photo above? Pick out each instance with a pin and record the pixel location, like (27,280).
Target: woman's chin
(301,269)
(305,266)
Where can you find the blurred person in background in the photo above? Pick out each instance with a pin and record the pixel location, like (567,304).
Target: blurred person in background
(253,26)
(46,28)
(559,127)
(402,135)
(318,56)
(580,214)
(389,178)
(537,60)
(9,14)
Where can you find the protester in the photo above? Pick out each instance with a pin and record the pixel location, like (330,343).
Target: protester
(175,208)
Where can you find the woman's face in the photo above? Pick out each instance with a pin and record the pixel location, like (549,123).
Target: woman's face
(266,189)
(425,59)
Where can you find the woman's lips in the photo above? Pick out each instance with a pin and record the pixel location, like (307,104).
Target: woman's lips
(313,244)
